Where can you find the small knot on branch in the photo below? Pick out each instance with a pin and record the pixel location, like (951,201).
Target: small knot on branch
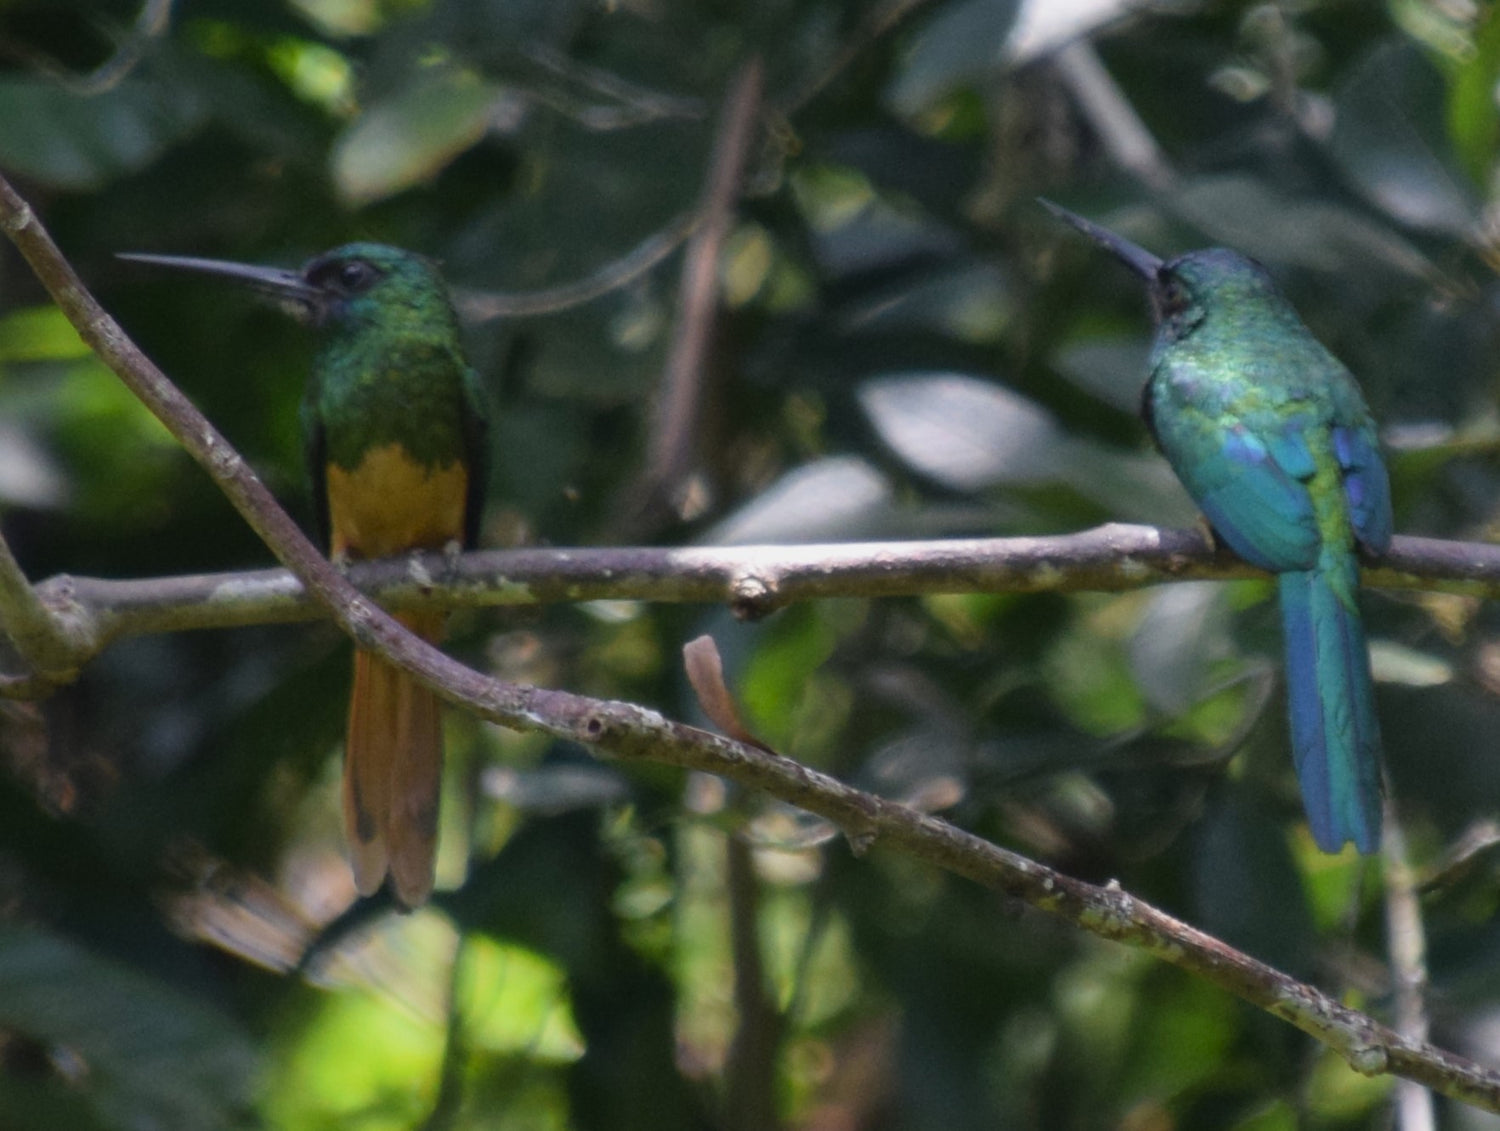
(18,217)
(1368,1060)
(752,596)
(860,842)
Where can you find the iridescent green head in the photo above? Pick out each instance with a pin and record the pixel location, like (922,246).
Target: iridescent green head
(369,285)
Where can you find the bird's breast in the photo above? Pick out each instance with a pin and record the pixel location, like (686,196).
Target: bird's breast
(390,503)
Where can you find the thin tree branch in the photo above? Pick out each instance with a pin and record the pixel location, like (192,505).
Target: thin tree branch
(1406,942)
(481,306)
(450,1093)
(878,22)
(1119,127)
(49,644)
(750,1075)
(627,731)
(635,104)
(673,445)
(150,23)
(88,613)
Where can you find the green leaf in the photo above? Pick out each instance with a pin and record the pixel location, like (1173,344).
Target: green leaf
(829,499)
(147,1054)
(407,138)
(964,432)
(780,674)
(39,333)
(962,44)
(77,141)
(1244,212)
(970,434)
(1177,648)
(1389,137)
(1473,115)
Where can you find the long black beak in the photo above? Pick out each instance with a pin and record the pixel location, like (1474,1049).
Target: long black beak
(1137,258)
(286,287)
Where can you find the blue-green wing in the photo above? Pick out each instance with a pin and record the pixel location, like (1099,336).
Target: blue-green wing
(1366,484)
(1248,482)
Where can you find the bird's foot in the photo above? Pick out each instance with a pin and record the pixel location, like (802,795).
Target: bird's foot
(416,569)
(1210,535)
(453,552)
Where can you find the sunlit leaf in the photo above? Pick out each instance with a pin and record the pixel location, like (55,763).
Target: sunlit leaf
(970,434)
(29,476)
(1088,673)
(1473,116)
(117,451)
(828,500)
(1042,27)
(39,333)
(344,17)
(1183,1040)
(964,432)
(392,992)
(1182,634)
(1342,1093)
(961,44)
(513,1000)
(1396,663)
(409,136)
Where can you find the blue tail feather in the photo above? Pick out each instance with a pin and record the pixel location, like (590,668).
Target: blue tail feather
(1331,696)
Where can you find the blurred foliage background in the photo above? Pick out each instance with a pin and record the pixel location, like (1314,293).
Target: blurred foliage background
(905,347)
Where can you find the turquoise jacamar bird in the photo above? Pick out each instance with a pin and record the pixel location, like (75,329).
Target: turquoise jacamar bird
(394,427)
(1272,439)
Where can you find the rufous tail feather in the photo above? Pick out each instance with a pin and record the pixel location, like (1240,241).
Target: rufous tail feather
(393,768)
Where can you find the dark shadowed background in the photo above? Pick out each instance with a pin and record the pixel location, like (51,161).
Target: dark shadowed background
(904,346)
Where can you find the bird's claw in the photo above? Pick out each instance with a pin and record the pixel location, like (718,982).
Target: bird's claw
(453,552)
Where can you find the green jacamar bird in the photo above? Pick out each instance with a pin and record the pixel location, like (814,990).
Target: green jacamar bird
(1272,439)
(394,427)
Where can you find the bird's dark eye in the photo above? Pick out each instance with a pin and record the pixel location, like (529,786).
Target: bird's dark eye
(355,276)
(1172,296)
(343,277)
